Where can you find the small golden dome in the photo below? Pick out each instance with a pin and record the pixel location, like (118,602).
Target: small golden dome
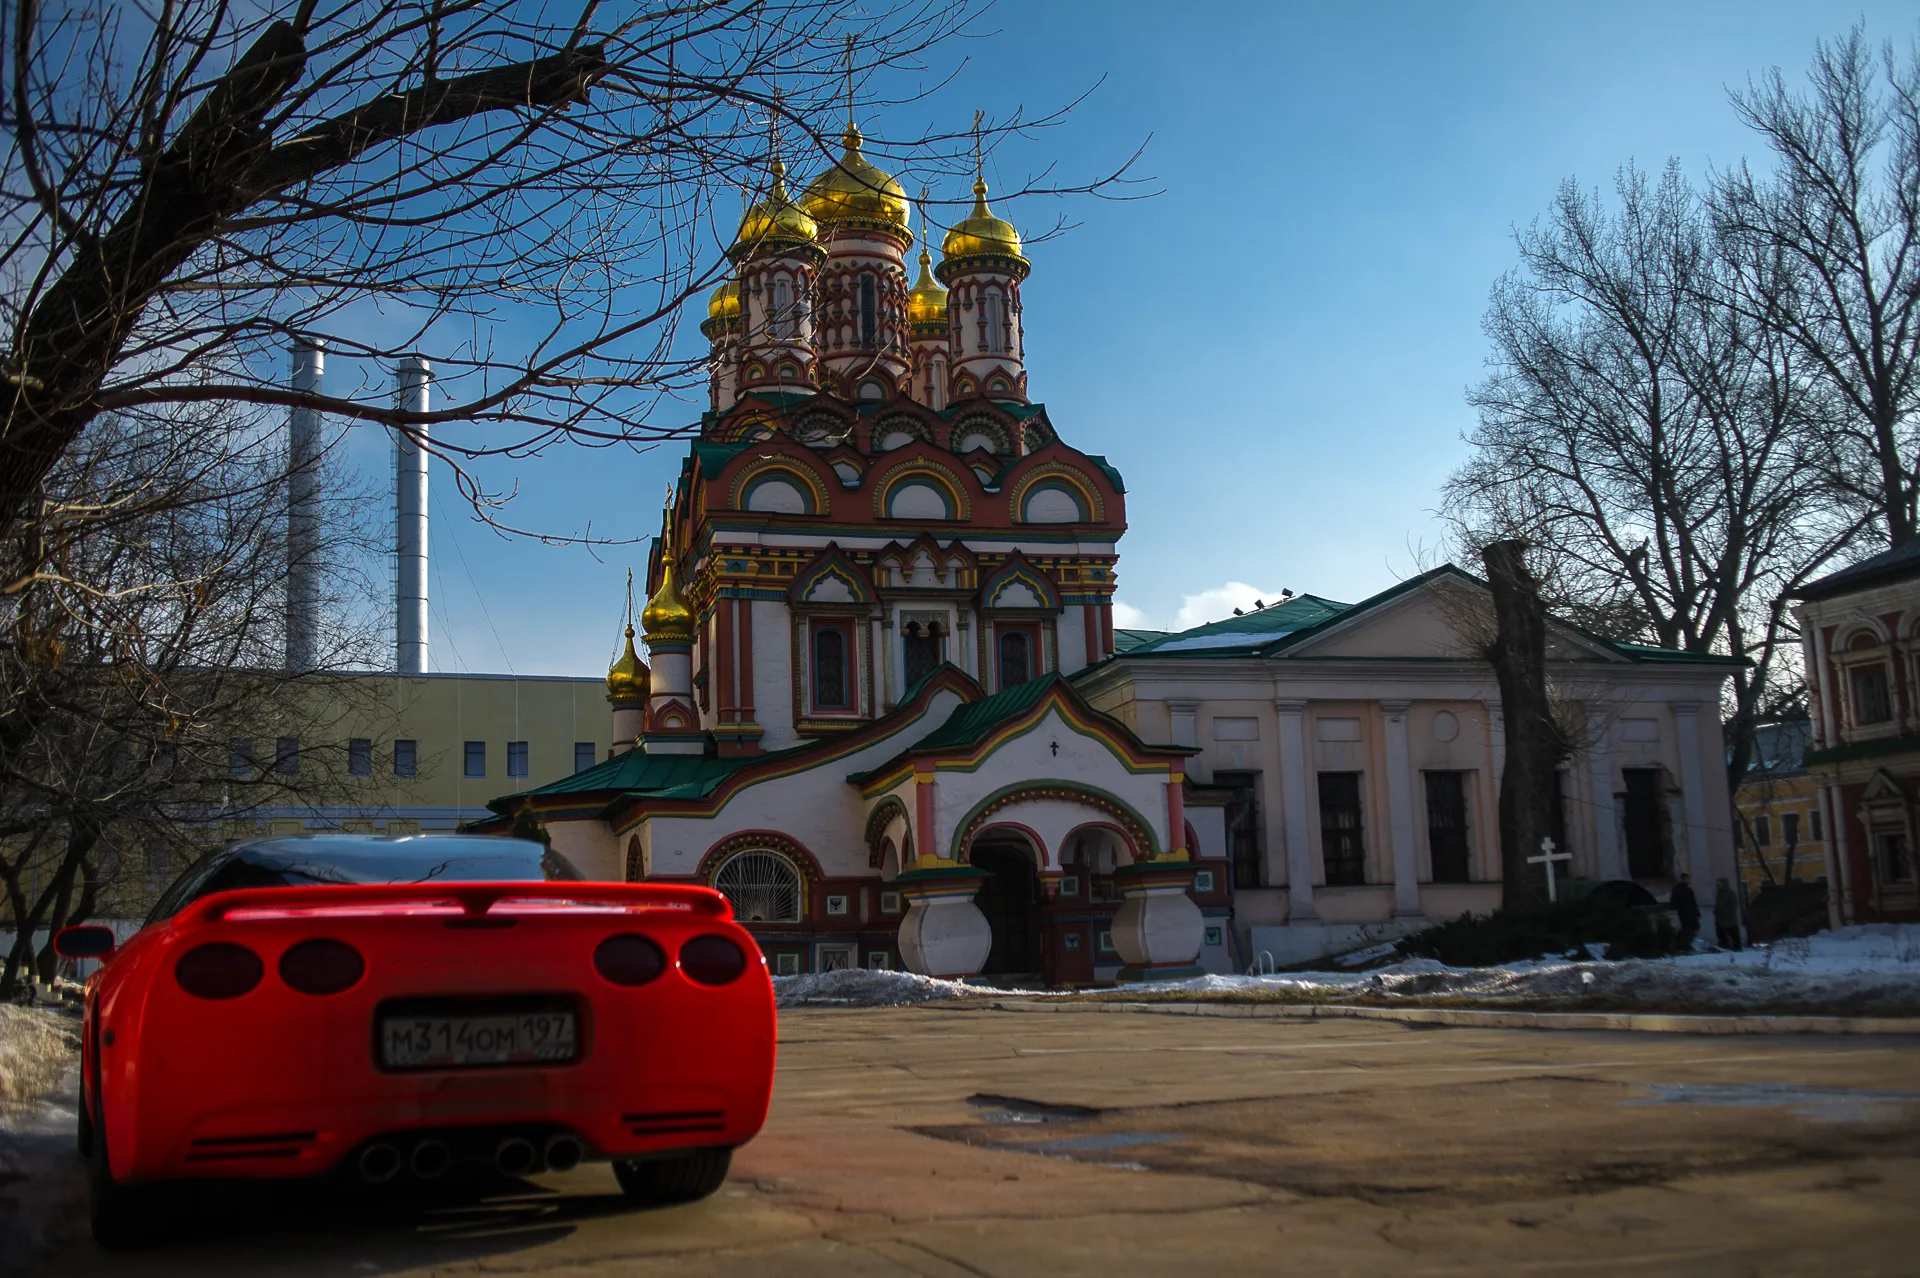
(666,618)
(926,301)
(775,222)
(856,193)
(629,679)
(981,234)
(724,302)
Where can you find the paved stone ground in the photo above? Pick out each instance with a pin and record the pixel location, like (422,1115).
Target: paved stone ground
(947,1141)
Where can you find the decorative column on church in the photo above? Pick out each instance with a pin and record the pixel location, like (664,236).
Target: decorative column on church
(1293,808)
(673,724)
(932,342)
(628,684)
(1158,929)
(1699,859)
(777,257)
(944,933)
(860,299)
(1406,860)
(1606,821)
(982,265)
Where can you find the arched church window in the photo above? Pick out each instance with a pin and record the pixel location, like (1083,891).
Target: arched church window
(869,311)
(830,668)
(782,309)
(1016,658)
(922,650)
(762,887)
(994,309)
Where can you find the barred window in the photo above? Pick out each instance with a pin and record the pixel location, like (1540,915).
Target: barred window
(762,886)
(1342,838)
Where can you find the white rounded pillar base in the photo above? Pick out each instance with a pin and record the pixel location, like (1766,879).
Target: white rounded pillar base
(1158,929)
(944,933)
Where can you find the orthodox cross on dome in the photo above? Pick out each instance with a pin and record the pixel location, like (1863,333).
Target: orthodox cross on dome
(849,62)
(979,162)
(1546,858)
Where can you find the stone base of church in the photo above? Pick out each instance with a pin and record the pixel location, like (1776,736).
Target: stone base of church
(944,933)
(1158,928)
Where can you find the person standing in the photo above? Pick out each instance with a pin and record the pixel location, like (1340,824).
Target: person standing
(1687,907)
(1726,916)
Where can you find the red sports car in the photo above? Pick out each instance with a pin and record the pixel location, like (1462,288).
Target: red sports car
(396,1008)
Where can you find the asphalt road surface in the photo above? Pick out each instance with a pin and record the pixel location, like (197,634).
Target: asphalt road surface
(943,1141)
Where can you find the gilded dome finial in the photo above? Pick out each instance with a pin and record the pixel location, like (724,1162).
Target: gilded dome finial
(628,679)
(666,618)
(926,300)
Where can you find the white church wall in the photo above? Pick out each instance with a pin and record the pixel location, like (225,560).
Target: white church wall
(773,674)
(815,807)
(591,847)
(1071,630)
(1081,758)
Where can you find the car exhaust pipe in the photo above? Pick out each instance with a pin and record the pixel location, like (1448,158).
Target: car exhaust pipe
(430,1159)
(562,1153)
(514,1156)
(379,1163)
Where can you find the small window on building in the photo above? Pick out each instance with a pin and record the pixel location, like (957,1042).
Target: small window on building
(476,759)
(1016,658)
(584,755)
(787,964)
(879,960)
(1813,825)
(1447,840)
(1872,698)
(1243,825)
(783,312)
(286,756)
(404,755)
(1890,854)
(1790,828)
(516,758)
(830,682)
(1103,942)
(1762,832)
(240,757)
(1203,881)
(360,757)
(1342,839)
(921,646)
(1648,823)
(869,312)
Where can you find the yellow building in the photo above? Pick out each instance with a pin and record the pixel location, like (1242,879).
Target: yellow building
(422,753)
(1781,834)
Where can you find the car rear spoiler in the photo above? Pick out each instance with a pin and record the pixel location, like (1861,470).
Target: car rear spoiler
(474,899)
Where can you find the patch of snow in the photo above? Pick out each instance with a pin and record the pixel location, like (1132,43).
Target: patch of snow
(865,987)
(42,1179)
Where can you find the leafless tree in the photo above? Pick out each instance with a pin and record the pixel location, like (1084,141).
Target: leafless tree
(528,192)
(1839,215)
(141,699)
(1651,437)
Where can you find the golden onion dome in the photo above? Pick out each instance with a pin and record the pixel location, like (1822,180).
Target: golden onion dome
(629,679)
(926,301)
(981,235)
(724,302)
(666,618)
(854,192)
(775,222)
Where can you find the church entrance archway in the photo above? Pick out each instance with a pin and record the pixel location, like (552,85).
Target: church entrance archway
(1010,899)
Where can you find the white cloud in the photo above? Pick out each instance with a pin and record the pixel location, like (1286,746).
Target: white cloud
(1219,603)
(1128,617)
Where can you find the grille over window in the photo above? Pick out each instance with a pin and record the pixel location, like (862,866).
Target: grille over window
(763,887)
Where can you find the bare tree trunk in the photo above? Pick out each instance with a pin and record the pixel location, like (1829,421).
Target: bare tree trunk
(1534,742)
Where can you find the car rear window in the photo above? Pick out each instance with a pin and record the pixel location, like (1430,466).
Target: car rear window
(307,862)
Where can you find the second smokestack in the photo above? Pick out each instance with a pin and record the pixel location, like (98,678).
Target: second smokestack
(411,394)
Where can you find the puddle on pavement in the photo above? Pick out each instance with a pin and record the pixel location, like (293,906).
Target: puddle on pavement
(1018,1112)
(1823,1104)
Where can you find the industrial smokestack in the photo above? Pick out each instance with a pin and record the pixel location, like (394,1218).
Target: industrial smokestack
(303,509)
(411,394)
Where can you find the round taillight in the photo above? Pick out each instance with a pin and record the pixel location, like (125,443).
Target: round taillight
(628,959)
(712,960)
(322,966)
(218,970)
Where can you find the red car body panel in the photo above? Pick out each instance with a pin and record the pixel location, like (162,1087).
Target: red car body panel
(277,1083)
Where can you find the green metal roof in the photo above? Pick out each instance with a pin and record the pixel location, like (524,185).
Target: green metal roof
(1107,469)
(970,722)
(1239,636)
(1128,640)
(713,457)
(638,771)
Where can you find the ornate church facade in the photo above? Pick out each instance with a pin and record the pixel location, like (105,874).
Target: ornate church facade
(878,570)
(888,714)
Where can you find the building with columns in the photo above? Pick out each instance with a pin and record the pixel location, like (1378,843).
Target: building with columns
(1358,749)
(885,710)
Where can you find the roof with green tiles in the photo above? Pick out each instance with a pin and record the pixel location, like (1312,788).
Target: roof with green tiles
(1273,630)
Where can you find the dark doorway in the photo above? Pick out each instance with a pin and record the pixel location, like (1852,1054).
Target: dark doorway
(1649,826)
(1009,898)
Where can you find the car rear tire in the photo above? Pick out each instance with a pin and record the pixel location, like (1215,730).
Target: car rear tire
(83,1126)
(683,1178)
(122,1216)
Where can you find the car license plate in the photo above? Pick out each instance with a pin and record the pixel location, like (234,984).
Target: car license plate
(444,1042)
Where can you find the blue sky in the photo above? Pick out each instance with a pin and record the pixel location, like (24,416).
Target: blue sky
(1274,350)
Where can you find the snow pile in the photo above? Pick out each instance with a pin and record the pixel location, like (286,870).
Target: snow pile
(865,987)
(37,1047)
(42,1183)
(1875,965)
